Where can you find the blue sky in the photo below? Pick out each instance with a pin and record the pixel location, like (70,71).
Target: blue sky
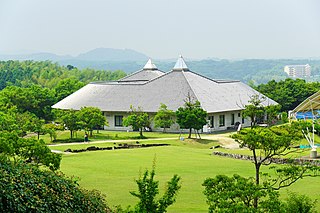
(162,29)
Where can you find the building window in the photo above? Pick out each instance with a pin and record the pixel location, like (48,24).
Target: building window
(221,120)
(239,114)
(118,120)
(211,121)
(242,120)
(232,119)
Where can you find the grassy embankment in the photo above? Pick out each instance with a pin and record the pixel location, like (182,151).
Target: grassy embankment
(113,172)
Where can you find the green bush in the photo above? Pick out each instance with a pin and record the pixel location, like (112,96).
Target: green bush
(296,203)
(27,188)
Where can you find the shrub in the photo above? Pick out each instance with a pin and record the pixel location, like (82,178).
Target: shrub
(27,188)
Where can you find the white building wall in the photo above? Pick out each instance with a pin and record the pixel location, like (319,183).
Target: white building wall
(110,116)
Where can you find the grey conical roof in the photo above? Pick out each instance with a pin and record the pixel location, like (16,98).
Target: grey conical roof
(150,65)
(181,64)
(149,72)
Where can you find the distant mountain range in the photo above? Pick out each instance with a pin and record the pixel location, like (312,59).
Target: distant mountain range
(98,54)
(247,70)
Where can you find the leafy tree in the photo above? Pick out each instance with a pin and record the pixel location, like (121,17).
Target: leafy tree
(164,117)
(70,120)
(148,190)
(296,203)
(51,128)
(36,125)
(35,99)
(7,122)
(27,149)
(289,93)
(27,188)
(48,74)
(66,87)
(267,143)
(137,119)
(191,116)
(237,194)
(91,117)
(255,109)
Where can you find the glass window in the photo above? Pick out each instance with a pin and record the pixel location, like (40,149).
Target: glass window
(232,119)
(211,118)
(118,120)
(221,120)
(239,114)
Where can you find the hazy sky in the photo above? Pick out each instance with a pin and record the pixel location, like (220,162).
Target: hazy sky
(164,28)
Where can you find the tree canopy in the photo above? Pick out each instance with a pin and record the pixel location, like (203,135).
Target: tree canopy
(137,119)
(91,117)
(164,117)
(289,93)
(191,116)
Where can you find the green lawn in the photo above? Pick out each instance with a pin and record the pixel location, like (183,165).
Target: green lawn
(113,172)
(110,135)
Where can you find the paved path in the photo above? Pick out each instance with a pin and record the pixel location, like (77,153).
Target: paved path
(111,141)
(224,140)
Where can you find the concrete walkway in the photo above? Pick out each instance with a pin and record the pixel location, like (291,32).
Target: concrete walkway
(110,141)
(224,140)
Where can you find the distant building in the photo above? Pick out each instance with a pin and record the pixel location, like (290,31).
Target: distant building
(298,71)
(223,100)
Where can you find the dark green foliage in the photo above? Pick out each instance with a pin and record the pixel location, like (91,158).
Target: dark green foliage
(148,190)
(191,116)
(296,203)
(71,120)
(254,109)
(137,119)
(307,126)
(288,93)
(164,117)
(48,74)
(91,117)
(34,99)
(28,149)
(66,87)
(26,188)
(284,117)
(237,194)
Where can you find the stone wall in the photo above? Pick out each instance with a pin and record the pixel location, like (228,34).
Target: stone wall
(315,162)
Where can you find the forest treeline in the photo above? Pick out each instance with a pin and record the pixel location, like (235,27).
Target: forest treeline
(48,74)
(36,85)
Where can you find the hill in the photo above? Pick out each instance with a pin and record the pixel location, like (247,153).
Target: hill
(253,71)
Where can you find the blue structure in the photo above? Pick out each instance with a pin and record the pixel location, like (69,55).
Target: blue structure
(308,115)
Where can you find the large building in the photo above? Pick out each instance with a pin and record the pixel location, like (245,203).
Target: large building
(298,71)
(148,88)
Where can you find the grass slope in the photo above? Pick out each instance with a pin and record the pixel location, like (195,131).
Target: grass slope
(114,172)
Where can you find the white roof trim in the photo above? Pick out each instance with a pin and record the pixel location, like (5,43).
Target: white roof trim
(181,64)
(150,65)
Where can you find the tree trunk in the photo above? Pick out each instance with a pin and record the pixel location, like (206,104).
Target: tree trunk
(190,133)
(91,132)
(257,167)
(199,134)
(38,133)
(141,133)
(71,134)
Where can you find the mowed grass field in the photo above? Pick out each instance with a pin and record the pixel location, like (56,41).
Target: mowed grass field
(114,172)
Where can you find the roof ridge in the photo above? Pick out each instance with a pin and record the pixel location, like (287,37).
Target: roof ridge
(183,72)
(218,81)
(136,72)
